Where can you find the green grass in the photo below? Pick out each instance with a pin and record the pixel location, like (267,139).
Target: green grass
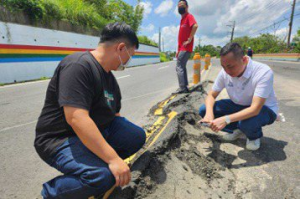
(44,78)
(77,12)
(163,57)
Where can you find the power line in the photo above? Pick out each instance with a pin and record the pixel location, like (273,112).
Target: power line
(270,5)
(259,29)
(278,22)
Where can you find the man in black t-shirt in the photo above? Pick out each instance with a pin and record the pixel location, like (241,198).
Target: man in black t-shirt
(80,131)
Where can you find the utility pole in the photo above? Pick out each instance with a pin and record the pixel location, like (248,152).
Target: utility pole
(159,40)
(163,46)
(232,32)
(291,24)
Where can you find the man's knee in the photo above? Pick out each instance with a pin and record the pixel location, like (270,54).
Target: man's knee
(248,126)
(140,138)
(202,110)
(101,179)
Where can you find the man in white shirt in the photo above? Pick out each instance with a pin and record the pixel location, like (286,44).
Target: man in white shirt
(252,102)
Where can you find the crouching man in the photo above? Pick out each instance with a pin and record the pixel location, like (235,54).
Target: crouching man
(80,131)
(252,102)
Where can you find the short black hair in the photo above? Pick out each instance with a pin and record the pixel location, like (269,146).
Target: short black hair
(235,48)
(117,31)
(185,2)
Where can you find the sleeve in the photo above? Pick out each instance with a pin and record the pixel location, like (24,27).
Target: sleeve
(75,86)
(219,84)
(264,86)
(191,20)
(119,99)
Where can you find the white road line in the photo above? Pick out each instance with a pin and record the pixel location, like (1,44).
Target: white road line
(140,96)
(275,61)
(148,65)
(123,77)
(20,125)
(24,84)
(163,67)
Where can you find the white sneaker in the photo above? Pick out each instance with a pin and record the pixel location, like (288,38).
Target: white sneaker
(233,136)
(253,145)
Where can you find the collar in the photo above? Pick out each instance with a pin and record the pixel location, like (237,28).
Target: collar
(247,73)
(185,15)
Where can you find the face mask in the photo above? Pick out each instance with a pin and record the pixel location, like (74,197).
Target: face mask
(181,10)
(123,66)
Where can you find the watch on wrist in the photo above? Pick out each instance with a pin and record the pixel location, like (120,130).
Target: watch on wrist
(227,119)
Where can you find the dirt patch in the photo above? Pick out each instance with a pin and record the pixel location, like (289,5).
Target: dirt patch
(186,163)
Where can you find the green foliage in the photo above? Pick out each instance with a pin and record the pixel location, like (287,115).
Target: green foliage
(146,40)
(296,41)
(265,43)
(208,49)
(88,13)
(33,8)
(163,57)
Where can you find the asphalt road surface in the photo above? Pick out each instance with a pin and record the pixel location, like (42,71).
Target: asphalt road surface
(22,171)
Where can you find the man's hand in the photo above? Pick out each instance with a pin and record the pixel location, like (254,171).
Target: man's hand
(177,54)
(121,172)
(218,124)
(186,42)
(207,119)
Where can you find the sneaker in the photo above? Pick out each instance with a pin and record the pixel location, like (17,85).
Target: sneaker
(233,136)
(181,91)
(253,145)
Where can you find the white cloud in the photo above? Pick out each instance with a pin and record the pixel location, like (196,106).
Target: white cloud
(147,7)
(148,28)
(251,16)
(164,8)
(170,37)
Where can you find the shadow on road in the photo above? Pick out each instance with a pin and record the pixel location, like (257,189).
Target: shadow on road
(271,150)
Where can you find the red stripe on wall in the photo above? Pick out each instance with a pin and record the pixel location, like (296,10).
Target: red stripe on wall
(29,47)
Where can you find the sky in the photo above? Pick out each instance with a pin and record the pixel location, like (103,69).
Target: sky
(252,18)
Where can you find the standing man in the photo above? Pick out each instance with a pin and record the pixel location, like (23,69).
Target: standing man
(80,131)
(252,102)
(250,52)
(188,28)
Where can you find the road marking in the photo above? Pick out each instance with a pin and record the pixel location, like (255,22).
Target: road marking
(24,84)
(158,125)
(145,95)
(148,65)
(277,61)
(164,67)
(123,77)
(20,125)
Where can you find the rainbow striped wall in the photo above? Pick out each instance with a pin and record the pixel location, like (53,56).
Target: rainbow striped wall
(28,53)
(279,57)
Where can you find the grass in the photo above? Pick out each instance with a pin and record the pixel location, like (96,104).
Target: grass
(77,12)
(163,57)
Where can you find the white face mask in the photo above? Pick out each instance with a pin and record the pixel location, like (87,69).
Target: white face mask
(122,65)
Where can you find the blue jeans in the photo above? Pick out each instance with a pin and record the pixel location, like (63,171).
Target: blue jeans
(85,174)
(252,127)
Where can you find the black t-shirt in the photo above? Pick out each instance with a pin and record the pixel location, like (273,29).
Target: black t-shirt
(78,81)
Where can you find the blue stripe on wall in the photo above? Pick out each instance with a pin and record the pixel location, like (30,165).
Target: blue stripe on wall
(50,59)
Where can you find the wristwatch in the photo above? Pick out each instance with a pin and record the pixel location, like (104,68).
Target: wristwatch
(227,119)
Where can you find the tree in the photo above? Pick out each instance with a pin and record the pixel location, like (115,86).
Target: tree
(296,41)
(146,40)
(265,43)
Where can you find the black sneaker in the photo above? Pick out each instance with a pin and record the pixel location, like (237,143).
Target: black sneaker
(181,91)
